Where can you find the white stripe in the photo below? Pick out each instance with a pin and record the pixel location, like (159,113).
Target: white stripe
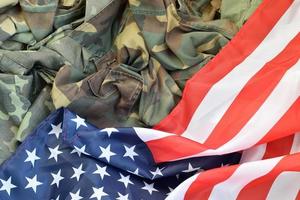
(296,144)
(223,93)
(180,191)
(276,105)
(244,174)
(147,134)
(286,186)
(254,154)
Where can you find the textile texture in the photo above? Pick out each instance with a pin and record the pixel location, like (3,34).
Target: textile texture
(126,60)
(161,99)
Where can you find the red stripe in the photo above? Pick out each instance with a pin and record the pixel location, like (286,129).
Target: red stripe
(259,188)
(255,30)
(287,125)
(279,147)
(298,196)
(163,149)
(205,182)
(253,95)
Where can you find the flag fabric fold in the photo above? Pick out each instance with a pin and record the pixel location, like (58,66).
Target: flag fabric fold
(68,158)
(246,96)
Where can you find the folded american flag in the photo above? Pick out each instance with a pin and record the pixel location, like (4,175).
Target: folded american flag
(245,100)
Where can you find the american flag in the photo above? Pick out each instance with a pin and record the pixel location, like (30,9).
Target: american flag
(68,158)
(234,134)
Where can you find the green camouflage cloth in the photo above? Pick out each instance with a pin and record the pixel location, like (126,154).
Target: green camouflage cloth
(27,67)
(115,62)
(238,11)
(142,53)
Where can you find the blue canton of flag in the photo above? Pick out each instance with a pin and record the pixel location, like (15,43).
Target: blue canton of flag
(68,158)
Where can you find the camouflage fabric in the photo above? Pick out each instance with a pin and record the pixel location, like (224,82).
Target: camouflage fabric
(238,11)
(115,62)
(27,68)
(141,57)
(5,4)
(30,21)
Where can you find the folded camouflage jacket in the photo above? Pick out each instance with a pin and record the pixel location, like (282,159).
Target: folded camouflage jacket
(117,63)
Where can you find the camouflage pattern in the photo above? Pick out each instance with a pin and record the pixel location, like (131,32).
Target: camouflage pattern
(30,21)
(142,53)
(5,4)
(115,62)
(27,68)
(238,11)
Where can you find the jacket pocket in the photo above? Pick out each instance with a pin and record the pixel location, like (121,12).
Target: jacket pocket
(116,80)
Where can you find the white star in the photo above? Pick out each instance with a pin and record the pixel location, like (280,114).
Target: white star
(125,180)
(149,187)
(75,196)
(57,198)
(31,157)
(7,185)
(56,178)
(54,153)
(171,190)
(136,172)
(98,193)
(122,197)
(109,131)
(106,153)
(157,172)
(77,172)
(191,169)
(56,130)
(130,152)
(79,150)
(32,183)
(101,171)
(79,121)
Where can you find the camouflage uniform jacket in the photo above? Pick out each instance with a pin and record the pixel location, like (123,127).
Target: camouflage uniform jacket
(142,53)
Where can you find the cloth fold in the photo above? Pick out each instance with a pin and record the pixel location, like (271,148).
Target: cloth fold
(65,155)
